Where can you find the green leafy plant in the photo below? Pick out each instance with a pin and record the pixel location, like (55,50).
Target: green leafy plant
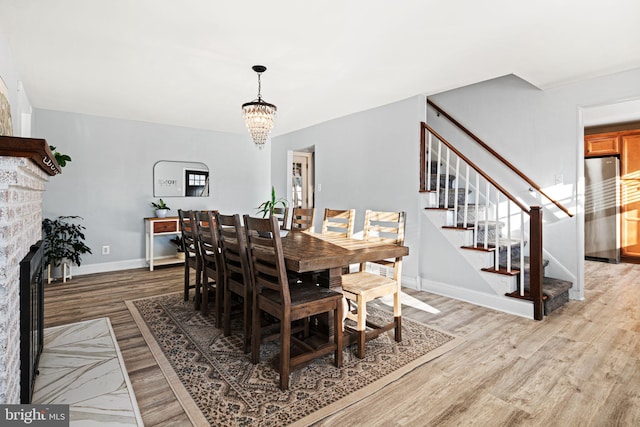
(63,240)
(160,204)
(266,208)
(178,242)
(62,159)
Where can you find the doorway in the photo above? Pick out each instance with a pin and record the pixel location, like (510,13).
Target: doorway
(300,187)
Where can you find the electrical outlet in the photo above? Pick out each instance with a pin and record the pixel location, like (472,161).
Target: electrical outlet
(106,250)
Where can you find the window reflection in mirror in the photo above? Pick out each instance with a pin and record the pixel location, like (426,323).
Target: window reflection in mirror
(187,179)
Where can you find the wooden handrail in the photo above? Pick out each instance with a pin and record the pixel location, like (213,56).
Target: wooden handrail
(424,126)
(499,157)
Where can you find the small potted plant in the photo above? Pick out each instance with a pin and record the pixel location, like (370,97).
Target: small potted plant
(161,208)
(62,159)
(179,247)
(266,208)
(63,241)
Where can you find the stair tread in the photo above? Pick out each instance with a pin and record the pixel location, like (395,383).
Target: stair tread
(502,271)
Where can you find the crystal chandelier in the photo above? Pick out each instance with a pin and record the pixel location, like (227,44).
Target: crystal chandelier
(259,114)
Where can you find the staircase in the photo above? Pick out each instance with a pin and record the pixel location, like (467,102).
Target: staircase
(490,228)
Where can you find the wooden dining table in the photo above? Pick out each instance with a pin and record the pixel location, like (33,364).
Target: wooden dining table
(306,252)
(327,256)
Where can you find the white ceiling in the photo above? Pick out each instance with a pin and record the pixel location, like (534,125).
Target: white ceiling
(188,62)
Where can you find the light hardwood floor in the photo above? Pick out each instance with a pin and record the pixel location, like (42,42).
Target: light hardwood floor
(578,367)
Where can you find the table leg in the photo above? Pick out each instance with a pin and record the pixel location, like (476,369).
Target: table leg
(331,279)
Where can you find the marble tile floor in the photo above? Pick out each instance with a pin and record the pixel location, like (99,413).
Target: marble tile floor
(81,365)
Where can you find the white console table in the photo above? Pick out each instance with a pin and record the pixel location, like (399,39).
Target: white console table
(160,227)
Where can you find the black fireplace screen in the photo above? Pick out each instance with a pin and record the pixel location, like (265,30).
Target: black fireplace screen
(31,319)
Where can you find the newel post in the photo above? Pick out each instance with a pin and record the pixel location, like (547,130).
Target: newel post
(535,257)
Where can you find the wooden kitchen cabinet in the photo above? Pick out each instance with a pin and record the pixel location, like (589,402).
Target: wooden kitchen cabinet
(602,144)
(630,195)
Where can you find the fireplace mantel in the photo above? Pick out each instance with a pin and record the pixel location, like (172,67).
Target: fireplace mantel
(31,148)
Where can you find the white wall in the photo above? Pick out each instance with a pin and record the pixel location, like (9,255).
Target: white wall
(367,160)
(18,99)
(541,133)
(109,181)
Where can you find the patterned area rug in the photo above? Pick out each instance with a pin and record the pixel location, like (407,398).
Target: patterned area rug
(217,384)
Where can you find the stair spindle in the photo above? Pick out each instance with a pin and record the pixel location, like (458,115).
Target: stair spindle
(497,253)
(477,196)
(521,253)
(487,199)
(429,174)
(455,191)
(466,197)
(446,179)
(438,174)
(509,236)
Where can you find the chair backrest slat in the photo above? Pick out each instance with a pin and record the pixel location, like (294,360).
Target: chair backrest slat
(266,259)
(384,227)
(207,238)
(234,250)
(282,215)
(303,219)
(338,222)
(189,238)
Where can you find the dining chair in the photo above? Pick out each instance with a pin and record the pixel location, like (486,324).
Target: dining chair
(192,258)
(338,222)
(211,264)
(282,215)
(365,286)
(288,302)
(302,219)
(237,279)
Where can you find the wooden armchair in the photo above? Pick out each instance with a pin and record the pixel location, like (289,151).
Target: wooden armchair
(302,219)
(209,249)
(361,287)
(192,258)
(237,279)
(338,222)
(273,294)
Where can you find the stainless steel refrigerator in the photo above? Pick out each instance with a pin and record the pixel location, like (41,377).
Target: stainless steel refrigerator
(602,209)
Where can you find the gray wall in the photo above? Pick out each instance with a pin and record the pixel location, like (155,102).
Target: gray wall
(541,133)
(367,160)
(109,181)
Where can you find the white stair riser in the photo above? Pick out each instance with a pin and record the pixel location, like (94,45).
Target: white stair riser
(500,284)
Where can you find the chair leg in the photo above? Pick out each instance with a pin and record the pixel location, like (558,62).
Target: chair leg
(246,318)
(285,352)
(220,295)
(204,306)
(198,298)
(361,325)
(255,336)
(338,334)
(397,314)
(226,312)
(186,280)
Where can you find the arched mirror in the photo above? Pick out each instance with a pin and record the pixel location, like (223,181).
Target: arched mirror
(180,179)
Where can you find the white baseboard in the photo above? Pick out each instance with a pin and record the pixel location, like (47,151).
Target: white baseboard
(410,282)
(109,266)
(505,304)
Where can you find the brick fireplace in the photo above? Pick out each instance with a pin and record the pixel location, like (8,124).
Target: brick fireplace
(25,166)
